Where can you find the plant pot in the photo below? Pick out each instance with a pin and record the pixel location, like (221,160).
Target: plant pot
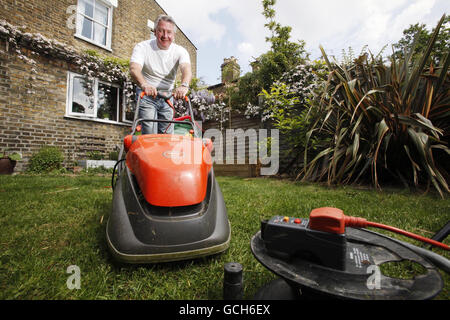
(7,165)
(77,169)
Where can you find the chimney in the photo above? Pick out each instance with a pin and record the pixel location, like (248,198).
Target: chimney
(255,64)
(230,69)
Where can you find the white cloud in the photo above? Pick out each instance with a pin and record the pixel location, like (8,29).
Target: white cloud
(194,17)
(336,25)
(339,25)
(246,53)
(246,48)
(416,12)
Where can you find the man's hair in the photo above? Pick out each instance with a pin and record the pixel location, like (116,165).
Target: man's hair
(163,17)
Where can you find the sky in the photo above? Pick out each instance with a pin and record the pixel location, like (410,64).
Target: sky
(223,28)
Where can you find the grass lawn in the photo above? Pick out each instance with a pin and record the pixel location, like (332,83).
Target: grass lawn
(48,223)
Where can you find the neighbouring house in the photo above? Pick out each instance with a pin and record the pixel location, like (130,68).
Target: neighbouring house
(61,81)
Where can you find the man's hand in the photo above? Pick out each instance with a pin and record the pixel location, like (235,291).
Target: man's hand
(186,76)
(136,75)
(149,90)
(180,92)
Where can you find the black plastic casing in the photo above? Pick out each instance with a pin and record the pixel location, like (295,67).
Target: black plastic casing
(140,233)
(289,240)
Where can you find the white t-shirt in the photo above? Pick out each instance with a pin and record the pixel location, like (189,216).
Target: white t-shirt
(159,67)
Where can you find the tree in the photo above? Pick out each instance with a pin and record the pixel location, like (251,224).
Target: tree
(282,57)
(280,35)
(417,37)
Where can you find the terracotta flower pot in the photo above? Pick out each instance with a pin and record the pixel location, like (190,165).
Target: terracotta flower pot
(7,165)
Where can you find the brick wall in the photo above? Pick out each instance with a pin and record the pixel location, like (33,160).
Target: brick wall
(50,17)
(29,121)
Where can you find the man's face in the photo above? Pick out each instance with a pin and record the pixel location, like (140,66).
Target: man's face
(164,34)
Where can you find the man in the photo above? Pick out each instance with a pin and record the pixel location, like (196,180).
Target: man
(153,66)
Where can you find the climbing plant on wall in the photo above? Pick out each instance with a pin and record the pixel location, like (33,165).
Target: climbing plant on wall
(89,62)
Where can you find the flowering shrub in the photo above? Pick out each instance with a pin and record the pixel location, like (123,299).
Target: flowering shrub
(288,105)
(205,106)
(88,63)
(305,80)
(290,94)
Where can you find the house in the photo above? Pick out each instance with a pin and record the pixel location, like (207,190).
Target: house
(61,81)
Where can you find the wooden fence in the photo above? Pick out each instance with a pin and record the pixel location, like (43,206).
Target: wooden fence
(239,156)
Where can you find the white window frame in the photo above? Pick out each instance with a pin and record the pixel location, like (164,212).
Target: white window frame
(79,23)
(93,117)
(69,112)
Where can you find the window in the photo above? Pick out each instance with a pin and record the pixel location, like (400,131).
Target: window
(107,102)
(128,110)
(82,100)
(94,22)
(97,100)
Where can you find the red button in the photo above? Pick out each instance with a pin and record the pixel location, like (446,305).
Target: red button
(297,221)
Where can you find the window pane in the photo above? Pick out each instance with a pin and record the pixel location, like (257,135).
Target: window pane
(86,31)
(107,102)
(82,100)
(99,34)
(87,8)
(130,107)
(101,14)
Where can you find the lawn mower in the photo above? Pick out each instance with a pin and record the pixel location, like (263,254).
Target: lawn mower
(333,256)
(167,204)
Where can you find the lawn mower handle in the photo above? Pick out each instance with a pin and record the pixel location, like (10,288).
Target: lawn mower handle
(167,99)
(160,95)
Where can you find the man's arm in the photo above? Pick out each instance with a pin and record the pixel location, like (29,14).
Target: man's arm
(136,75)
(186,77)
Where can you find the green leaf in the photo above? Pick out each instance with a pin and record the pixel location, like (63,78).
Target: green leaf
(442,147)
(355,146)
(320,155)
(415,167)
(15,156)
(421,64)
(364,98)
(424,125)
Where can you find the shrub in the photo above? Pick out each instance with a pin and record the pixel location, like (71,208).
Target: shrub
(386,122)
(95,155)
(287,106)
(46,159)
(113,155)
